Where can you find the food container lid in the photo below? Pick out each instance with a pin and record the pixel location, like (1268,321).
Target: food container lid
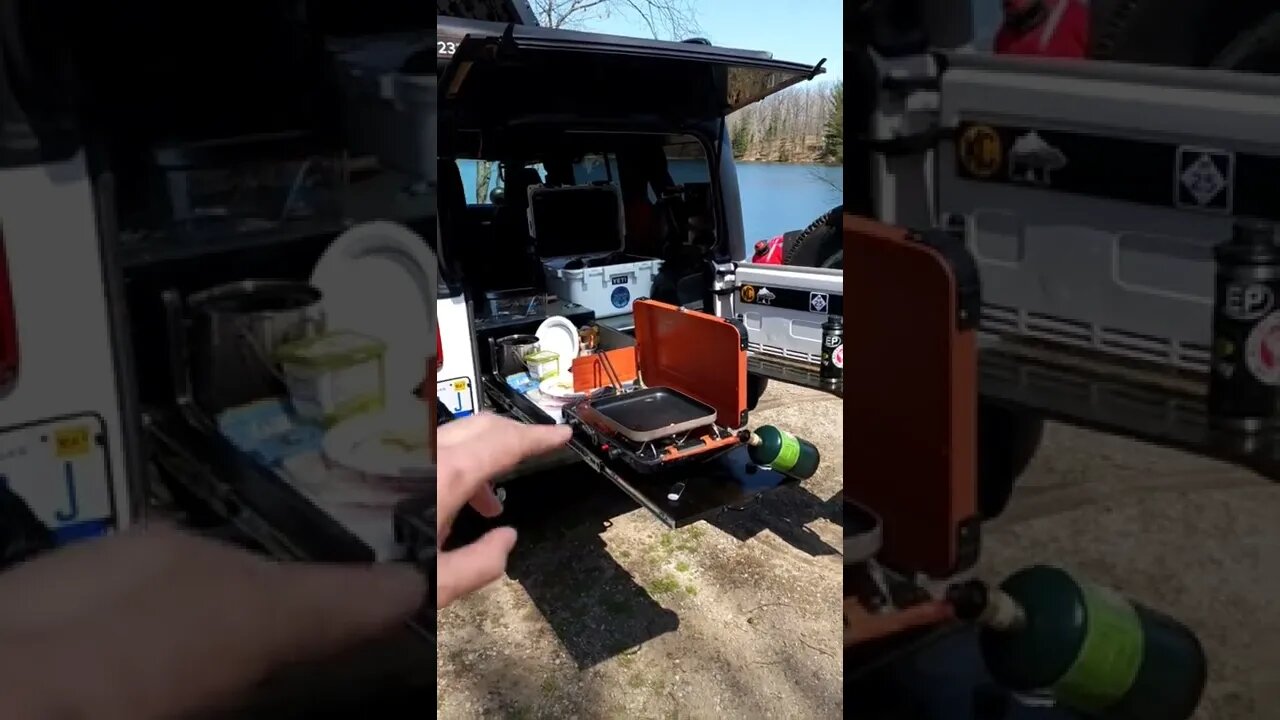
(331,351)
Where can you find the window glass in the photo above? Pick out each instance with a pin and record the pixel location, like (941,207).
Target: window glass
(596,168)
(480,178)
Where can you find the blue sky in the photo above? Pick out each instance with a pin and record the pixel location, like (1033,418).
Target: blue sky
(798,30)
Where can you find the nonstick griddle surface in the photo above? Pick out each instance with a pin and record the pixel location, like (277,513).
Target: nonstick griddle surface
(652,410)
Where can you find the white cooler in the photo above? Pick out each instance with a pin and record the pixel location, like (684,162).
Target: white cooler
(582,225)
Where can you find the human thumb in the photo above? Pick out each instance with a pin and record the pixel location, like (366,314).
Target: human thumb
(471,567)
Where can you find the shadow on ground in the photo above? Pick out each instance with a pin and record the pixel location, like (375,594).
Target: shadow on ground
(787,513)
(566,510)
(605,613)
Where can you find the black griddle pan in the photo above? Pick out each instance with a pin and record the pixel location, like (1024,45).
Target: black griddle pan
(648,414)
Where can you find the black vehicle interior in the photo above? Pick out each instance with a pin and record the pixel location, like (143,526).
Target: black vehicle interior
(241,90)
(661,218)
(239,100)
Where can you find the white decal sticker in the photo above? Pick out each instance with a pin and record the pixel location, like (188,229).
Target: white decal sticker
(1262,350)
(1033,160)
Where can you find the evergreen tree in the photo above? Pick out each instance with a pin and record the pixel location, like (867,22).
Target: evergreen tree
(833,131)
(740,139)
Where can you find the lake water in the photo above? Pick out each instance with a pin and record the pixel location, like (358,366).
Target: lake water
(776,197)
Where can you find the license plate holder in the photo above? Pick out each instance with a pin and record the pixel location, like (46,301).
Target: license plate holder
(60,467)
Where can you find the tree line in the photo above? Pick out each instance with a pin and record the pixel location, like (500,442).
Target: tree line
(803,124)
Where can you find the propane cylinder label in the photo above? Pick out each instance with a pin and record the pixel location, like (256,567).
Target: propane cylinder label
(1110,656)
(1262,350)
(788,454)
(837,356)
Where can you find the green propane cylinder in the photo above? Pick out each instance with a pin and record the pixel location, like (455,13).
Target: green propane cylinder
(779,450)
(1099,653)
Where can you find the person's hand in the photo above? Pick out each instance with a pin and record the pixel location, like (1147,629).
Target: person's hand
(158,624)
(472,452)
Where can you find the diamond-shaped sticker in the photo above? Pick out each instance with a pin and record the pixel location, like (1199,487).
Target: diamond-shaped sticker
(818,302)
(1204,179)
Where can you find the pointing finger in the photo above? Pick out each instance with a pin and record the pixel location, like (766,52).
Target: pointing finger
(465,465)
(473,566)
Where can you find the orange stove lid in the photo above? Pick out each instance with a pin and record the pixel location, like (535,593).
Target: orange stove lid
(700,355)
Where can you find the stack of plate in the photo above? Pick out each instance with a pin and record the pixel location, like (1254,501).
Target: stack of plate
(559,335)
(379,279)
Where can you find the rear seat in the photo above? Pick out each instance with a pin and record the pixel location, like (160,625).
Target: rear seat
(512,255)
(451,208)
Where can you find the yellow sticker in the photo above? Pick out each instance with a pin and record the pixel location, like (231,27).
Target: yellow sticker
(981,151)
(748,293)
(72,441)
(459,385)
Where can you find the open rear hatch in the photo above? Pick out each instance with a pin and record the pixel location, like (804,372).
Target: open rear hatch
(682,458)
(493,74)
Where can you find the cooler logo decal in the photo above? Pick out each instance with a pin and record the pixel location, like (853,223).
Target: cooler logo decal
(1204,179)
(620,296)
(980,151)
(1032,160)
(1193,178)
(819,302)
(806,301)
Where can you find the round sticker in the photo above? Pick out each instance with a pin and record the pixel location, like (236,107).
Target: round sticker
(981,151)
(620,297)
(1262,350)
(837,356)
(748,294)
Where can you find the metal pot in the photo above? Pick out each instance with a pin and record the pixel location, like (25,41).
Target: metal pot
(223,340)
(508,353)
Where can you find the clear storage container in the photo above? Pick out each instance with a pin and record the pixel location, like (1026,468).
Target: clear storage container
(334,376)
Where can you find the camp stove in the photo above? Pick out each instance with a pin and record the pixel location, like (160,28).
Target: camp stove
(694,405)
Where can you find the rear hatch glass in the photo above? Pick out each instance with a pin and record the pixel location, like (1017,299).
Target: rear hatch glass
(493,74)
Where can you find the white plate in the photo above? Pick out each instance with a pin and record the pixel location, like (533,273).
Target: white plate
(560,336)
(560,388)
(378,278)
(386,445)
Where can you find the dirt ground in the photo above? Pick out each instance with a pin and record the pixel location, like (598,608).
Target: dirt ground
(605,614)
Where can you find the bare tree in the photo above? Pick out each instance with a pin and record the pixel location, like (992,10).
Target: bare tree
(665,19)
(791,126)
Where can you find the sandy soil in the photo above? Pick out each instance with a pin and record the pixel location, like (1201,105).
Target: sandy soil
(607,615)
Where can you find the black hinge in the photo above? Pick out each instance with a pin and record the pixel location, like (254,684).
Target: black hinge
(951,245)
(968,544)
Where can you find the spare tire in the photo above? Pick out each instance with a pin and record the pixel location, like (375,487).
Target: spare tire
(1189,33)
(1256,50)
(1007,441)
(818,245)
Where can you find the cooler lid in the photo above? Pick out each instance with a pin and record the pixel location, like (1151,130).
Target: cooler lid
(700,355)
(576,220)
